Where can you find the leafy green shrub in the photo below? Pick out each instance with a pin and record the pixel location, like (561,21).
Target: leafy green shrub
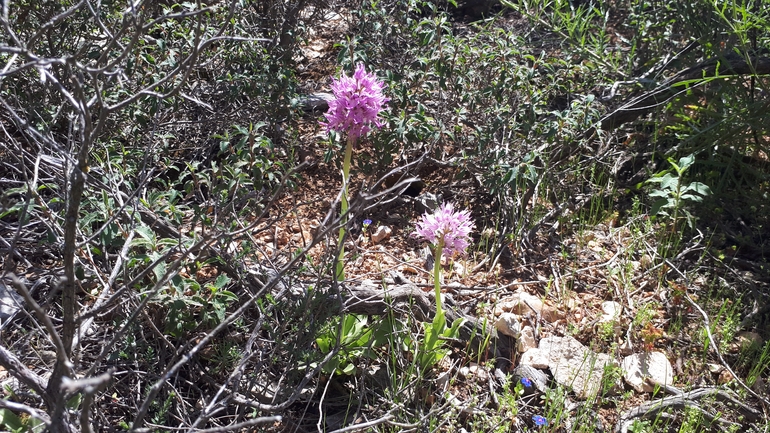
(673,192)
(192,307)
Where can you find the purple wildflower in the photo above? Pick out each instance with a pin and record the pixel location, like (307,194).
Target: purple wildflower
(445,224)
(539,420)
(526,382)
(367,222)
(358,100)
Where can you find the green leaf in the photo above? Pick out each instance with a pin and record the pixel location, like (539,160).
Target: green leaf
(657,207)
(324,343)
(692,197)
(147,234)
(348,369)
(669,181)
(666,180)
(221,281)
(10,420)
(227,295)
(74,402)
(685,163)
(160,269)
(698,187)
(454,331)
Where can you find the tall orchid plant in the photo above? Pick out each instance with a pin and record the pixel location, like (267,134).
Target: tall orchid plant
(355,109)
(449,233)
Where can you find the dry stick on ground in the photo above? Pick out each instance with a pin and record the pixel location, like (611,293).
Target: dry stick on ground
(727,66)
(682,401)
(409,299)
(707,326)
(689,399)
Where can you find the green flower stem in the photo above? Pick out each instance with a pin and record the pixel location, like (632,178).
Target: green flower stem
(437,275)
(340,273)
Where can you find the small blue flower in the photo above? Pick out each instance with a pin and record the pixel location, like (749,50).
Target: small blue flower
(539,420)
(367,222)
(526,382)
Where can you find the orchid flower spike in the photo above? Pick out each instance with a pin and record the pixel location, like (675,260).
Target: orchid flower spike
(357,103)
(446,227)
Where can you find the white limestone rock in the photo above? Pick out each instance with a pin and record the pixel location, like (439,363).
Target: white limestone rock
(534,358)
(522,303)
(526,339)
(381,233)
(509,324)
(576,367)
(611,310)
(637,368)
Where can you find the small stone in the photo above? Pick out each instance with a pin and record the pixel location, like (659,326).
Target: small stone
(482,375)
(522,303)
(626,348)
(381,233)
(315,102)
(426,202)
(714,368)
(538,380)
(746,339)
(464,371)
(725,377)
(526,339)
(458,268)
(10,302)
(509,324)
(611,310)
(640,367)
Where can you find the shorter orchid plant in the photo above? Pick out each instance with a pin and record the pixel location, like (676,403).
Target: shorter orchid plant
(449,233)
(355,109)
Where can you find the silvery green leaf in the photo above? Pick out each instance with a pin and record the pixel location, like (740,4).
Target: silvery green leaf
(685,162)
(692,197)
(699,187)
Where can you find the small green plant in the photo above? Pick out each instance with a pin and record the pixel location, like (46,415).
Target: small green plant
(356,336)
(555,413)
(248,167)
(672,192)
(641,426)
(758,360)
(163,408)
(11,422)
(606,331)
(644,314)
(190,305)
(611,377)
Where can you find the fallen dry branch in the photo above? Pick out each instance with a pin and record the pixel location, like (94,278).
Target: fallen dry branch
(405,297)
(728,66)
(689,400)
